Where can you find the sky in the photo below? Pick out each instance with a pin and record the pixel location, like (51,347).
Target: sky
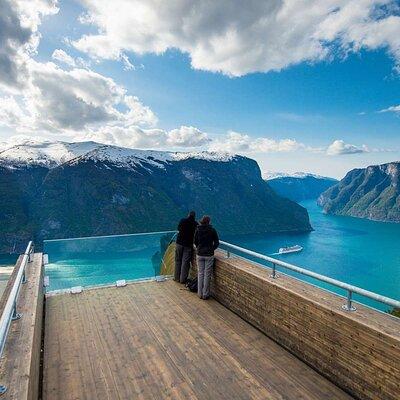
(310,86)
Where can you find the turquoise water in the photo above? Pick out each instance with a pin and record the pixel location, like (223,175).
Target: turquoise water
(360,252)
(357,251)
(8,259)
(104,260)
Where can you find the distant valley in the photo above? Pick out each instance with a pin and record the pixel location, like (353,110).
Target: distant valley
(372,192)
(57,190)
(299,186)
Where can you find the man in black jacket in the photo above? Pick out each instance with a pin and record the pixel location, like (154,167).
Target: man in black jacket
(184,247)
(206,241)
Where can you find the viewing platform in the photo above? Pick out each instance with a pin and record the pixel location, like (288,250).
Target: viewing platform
(262,335)
(156,340)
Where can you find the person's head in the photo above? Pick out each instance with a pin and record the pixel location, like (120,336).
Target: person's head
(205,220)
(192,215)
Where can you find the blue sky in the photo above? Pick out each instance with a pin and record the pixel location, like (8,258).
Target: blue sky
(313,97)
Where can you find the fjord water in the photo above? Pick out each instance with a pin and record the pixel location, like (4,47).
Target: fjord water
(103,260)
(357,251)
(7,260)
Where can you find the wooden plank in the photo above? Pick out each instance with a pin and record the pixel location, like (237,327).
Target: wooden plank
(20,364)
(157,341)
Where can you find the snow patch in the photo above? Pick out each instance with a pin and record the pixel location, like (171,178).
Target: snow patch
(269,175)
(43,153)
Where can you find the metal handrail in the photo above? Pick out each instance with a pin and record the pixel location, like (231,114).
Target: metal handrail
(349,288)
(10,309)
(106,236)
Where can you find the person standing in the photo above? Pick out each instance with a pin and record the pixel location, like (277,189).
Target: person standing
(184,247)
(206,241)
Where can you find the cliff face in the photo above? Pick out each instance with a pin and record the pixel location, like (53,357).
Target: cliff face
(301,187)
(373,193)
(110,190)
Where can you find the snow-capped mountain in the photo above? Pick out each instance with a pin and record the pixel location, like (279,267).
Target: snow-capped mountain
(52,154)
(63,190)
(300,185)
(44,153)
(269,175)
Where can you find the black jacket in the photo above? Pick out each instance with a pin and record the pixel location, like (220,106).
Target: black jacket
(186,228)
(206,240)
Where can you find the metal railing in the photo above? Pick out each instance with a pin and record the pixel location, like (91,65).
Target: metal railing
(349,288)
(10,312)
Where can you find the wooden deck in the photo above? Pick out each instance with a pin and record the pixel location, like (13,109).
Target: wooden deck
(20,363)
(158,341)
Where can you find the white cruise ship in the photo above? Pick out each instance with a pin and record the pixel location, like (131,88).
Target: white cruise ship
(290,249)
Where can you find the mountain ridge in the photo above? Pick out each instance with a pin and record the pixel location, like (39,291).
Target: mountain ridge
(300,186)
(269,175)
(372,193)
(111,190)
(53,154)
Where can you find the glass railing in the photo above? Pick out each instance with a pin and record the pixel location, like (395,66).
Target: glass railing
(103,260)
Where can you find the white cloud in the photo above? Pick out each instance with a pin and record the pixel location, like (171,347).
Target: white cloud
(11,113)
(78,102)
(66,101)
(64,58)
(19,38)
(393,109)
(187,136)
(83,105)
(136,137)
(128,66)
(236,142)
(48,99)
(339,147)
(236,38)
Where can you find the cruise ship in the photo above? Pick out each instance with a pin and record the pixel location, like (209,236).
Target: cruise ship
(290,249)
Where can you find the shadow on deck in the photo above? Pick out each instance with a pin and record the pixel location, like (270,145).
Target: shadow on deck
(154,340)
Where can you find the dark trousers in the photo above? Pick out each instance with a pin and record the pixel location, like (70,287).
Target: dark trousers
(183,256)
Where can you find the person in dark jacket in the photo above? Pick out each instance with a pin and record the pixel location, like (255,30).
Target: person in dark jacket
(206,241)
(184,247)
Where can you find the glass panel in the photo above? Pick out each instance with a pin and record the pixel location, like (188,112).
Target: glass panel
(103,260)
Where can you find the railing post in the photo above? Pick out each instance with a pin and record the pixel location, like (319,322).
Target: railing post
(349,304)
(228,254)
(24,280)
(274,275)
(30,256)
(15,315)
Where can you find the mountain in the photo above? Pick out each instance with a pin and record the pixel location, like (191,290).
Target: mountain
(299,186)
(57,190)
(373,193)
